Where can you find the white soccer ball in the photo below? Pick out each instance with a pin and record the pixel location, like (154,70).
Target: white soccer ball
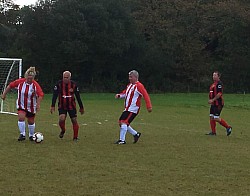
(38,137)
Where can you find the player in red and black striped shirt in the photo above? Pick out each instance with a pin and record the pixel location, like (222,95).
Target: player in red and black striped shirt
(217,102)
(66,90)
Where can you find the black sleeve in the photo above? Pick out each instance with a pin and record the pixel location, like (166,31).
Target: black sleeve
(55,95)
(219,87)
(78,97)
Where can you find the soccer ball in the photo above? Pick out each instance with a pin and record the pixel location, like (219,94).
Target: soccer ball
(38,137)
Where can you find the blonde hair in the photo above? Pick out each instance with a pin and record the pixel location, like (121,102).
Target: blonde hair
(30,72)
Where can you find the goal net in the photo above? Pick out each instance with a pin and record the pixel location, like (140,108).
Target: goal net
(10,69)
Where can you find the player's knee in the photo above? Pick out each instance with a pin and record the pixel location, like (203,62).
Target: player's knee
(123,125)
(74,120)
(31,121)
(217,119)
(61,120)
(21,118)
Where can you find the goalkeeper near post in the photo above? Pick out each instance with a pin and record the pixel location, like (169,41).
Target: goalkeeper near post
(66,90)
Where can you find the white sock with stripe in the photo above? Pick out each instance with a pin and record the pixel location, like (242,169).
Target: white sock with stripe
(131,130)
(123,131)
(31,129)
(21,126)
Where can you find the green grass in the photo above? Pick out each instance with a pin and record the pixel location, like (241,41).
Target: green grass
(173,156)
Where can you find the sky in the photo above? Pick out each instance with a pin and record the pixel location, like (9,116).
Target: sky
(25,2)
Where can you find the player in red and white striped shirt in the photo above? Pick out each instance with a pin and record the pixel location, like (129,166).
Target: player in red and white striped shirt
(28,102)
(132,95)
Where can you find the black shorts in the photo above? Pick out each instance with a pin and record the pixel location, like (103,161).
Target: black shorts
(27,113)
(215,110)
(72,113)
(127,117)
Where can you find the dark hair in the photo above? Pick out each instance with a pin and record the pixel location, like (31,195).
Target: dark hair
(219,74)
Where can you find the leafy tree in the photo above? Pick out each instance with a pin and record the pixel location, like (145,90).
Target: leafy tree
(175,45)
(9,19)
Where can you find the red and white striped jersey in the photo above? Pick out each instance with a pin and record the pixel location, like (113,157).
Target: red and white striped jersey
(27,94)
(133,94)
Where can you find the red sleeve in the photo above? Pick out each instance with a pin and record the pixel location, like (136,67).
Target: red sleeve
(15,83)
(39,90)
(123,92)
(145,95)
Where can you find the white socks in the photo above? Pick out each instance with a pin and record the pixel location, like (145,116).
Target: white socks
(31,129)
(21,126)
(123,131)
(131,130)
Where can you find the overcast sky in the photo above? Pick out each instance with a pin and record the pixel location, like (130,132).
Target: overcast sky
(25,2)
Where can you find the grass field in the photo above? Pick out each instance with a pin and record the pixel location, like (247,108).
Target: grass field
(172,157)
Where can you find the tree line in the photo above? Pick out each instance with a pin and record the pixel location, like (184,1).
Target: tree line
(174,44)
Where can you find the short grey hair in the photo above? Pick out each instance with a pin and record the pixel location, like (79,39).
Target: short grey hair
(135,73)
(68,72)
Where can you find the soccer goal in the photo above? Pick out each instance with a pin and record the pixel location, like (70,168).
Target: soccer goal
(10,69)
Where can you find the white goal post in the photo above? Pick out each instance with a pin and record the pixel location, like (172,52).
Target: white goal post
(10,70)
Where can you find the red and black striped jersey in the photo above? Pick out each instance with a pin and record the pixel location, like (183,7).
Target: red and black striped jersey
(216,88)
(66,94)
